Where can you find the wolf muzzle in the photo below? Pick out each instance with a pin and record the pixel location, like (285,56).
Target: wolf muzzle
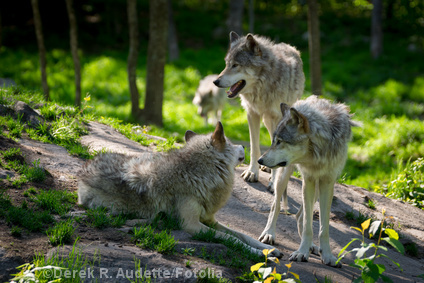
(281,164)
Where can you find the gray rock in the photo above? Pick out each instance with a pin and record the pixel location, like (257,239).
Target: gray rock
(28,114)
(5,173)
(6,82)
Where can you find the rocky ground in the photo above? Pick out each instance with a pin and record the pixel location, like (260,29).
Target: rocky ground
(246,211)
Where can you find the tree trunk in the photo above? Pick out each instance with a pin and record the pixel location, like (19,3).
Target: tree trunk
(74,50)
(132,58)
(251,16)
(235,16)
(1,32)
(174,52)
(41,48)
(156,59)
(314,47)
(376,29)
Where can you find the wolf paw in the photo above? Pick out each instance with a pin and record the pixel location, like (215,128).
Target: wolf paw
(249,176)
(330,260)
(267,238)
(299,256)
(265,169)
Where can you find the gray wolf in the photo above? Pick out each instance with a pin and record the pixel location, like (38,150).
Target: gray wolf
(209,99)
(192,183)
(265,74)
(314,135)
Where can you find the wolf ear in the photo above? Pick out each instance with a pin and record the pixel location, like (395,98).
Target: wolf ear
(233,36)
(188,135)
(299,119)
(284,108)
(252,45)
(218,137)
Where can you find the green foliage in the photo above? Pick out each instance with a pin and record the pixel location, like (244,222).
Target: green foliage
(408,184)
(146,237)
(59,202)
(16,231)
(260,272)
(101,218)
(370,271)
(70,268)
(61,233)
(23,216)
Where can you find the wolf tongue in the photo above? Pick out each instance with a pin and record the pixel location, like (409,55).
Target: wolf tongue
(234,86)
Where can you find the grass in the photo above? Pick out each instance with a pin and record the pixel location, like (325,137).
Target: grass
(22,216)
(61,233)
(100,218)
(146,237)
(70,268)
(57,202)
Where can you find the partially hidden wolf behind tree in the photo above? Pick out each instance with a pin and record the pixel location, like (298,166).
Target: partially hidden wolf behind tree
(312,134)
(264,74)
(192,183)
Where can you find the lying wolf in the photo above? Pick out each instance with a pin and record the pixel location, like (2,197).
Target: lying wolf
(314,135)
(193,182)
(209,99)
(265,74)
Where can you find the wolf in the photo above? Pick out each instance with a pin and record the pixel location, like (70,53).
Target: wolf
(192,183)
(209,99)
(264,74)
(313,134)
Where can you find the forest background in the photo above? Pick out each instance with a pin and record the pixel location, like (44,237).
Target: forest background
(370,57)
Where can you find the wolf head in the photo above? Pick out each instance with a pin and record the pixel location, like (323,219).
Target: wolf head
(220,144)
(290,141)
(243,58)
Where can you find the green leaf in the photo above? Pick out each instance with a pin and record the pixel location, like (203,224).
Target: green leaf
(348,244)
(374,227)
(391,233)
(385,278)
(396,244)
(397,264)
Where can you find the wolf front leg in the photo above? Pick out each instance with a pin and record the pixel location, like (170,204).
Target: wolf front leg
(326,190)
(308,189)
(252,173)
(283,176)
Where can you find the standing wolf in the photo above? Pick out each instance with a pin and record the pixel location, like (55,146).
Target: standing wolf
(265,74)
(313,134)
(209,99)
(193,182)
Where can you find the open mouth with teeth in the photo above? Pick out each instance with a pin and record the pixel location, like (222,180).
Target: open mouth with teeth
(236,88)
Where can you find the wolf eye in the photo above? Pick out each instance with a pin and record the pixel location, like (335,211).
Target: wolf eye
(235,65)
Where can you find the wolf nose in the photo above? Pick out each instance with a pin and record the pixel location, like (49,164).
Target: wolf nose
(216,82)
(261,161)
